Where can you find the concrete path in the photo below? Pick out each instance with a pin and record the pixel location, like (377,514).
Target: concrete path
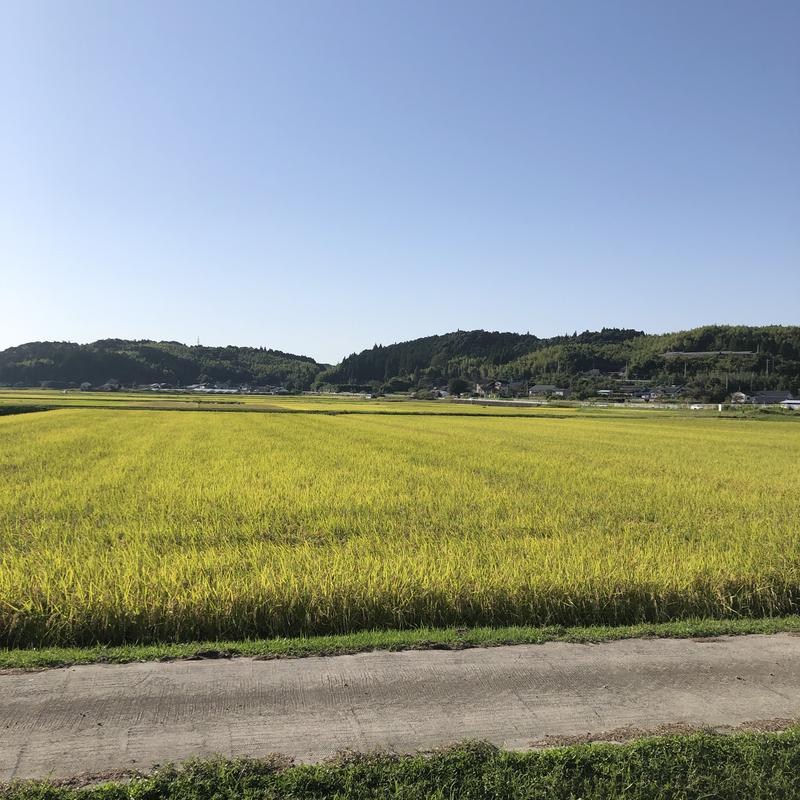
(95,719)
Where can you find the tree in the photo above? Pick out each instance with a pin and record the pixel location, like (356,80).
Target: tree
(396,385)
(457,386)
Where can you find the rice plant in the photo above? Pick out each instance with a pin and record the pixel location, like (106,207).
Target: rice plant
(123,526)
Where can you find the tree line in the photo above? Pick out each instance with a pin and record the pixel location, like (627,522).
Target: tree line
(733,358)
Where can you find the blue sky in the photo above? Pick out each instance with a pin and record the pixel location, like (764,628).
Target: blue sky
(320,176)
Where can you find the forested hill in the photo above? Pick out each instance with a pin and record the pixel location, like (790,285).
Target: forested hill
(711,361)
(765,357)
(140,362)
(433,357)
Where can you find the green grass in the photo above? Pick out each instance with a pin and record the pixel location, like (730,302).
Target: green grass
(755,766)
(392,640)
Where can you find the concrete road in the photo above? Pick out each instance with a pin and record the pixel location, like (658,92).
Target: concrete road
(94,719)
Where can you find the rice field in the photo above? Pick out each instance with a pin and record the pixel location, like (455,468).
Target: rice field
(316,404)
(147,526)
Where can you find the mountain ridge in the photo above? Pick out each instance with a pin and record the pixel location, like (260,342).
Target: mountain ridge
(711,360)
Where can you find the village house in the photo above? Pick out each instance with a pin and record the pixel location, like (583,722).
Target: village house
(488,388)
(547,390)
(771,398)
(633,390)
(765,398)
(741,397)
(667,393)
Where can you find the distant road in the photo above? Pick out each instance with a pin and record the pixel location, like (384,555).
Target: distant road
(95,719)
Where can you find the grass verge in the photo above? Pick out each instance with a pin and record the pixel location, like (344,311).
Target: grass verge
(712,767)
(415,639)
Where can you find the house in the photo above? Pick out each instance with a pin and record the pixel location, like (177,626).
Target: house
(666,392)
(542,390)
(741,397)
(492,388)
(516,388)
(791,405)
(501,388)
(771,398)
(633,390)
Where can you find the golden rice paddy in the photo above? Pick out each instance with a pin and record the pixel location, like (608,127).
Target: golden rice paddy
(145,525)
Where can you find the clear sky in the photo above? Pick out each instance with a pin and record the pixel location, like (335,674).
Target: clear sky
(320,176)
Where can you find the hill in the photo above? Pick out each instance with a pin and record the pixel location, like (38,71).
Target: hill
(711,361)
(143,361)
